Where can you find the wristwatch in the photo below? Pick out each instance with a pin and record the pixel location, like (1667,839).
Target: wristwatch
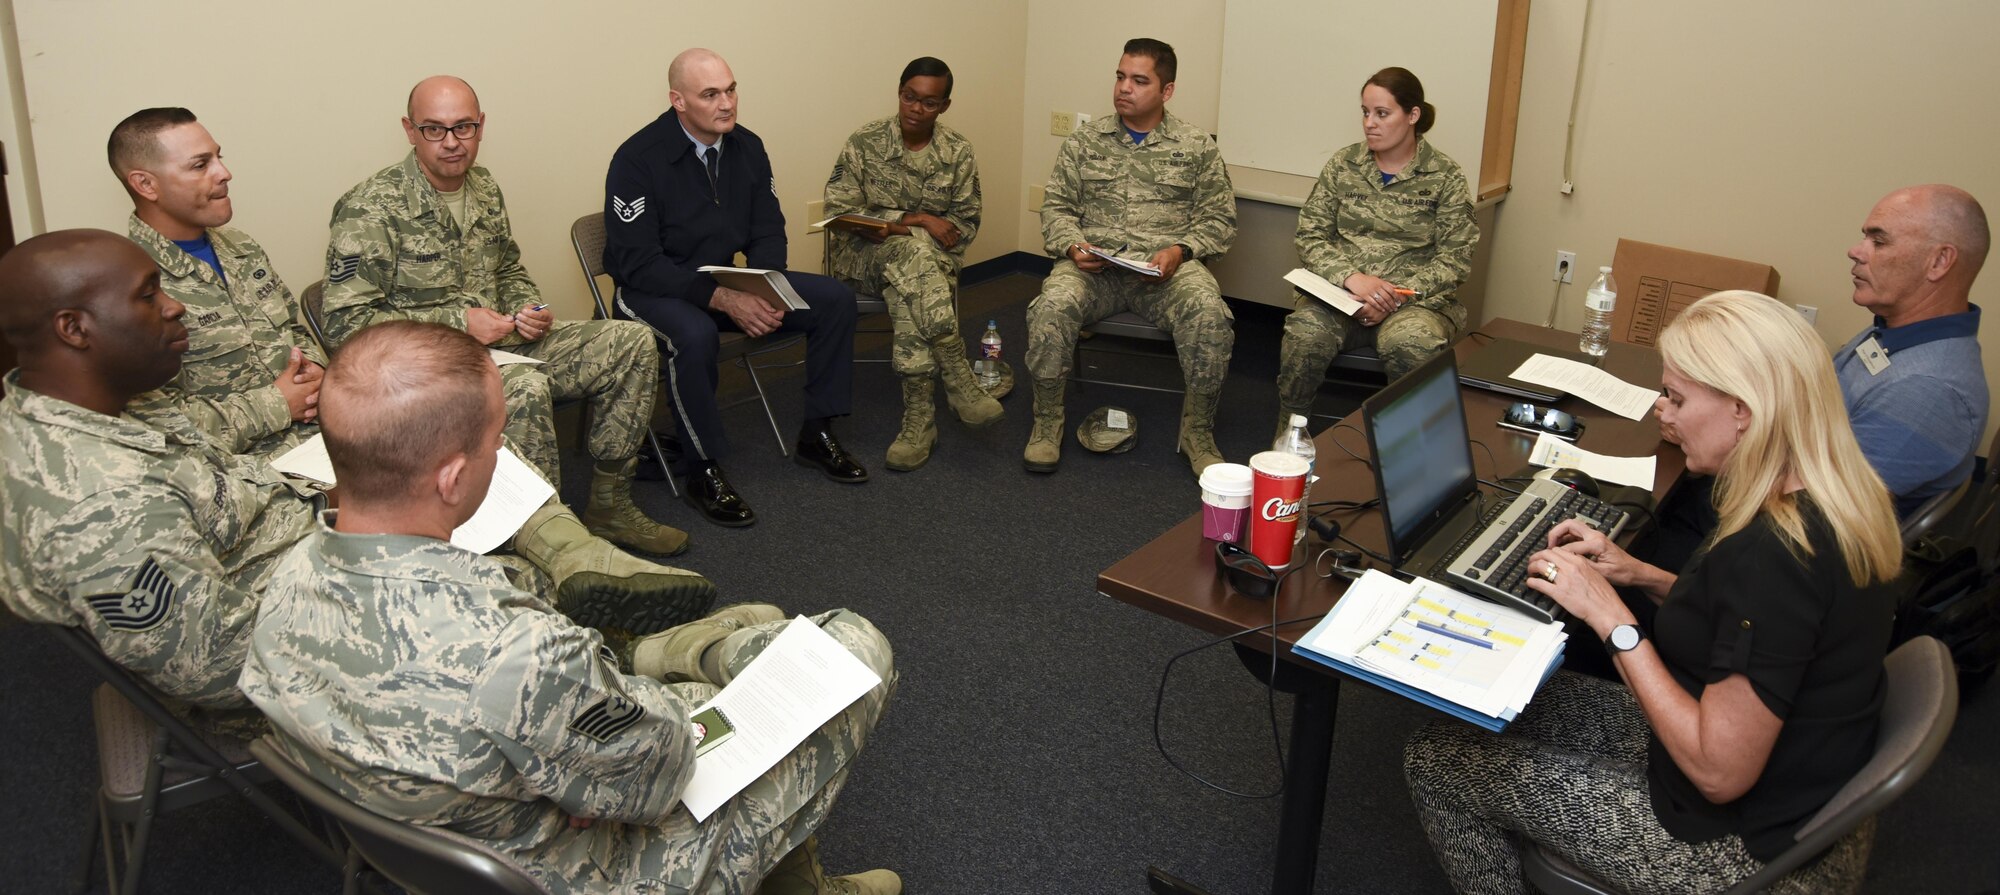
(1187,254)
(1624,638)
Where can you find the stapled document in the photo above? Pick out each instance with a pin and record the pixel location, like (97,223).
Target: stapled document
(504,358)
(798,683)
(1589,383)
(516,493)
(1324,289)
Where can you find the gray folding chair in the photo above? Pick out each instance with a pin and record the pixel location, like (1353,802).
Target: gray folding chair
(150,763)
(1129,325)
(587,237)
(864,303)
(423,860)
(1916,718)
(312,302)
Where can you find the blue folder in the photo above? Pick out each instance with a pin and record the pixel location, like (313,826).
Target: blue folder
(1406,691)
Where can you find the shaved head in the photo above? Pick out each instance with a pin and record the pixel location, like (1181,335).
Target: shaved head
(85,312)
(679,69)
(439,88)
(59,271)
(401,399)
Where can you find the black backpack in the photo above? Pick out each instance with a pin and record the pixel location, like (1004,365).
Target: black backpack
(1951,577)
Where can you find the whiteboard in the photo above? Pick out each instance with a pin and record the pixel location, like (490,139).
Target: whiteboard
(1292,72)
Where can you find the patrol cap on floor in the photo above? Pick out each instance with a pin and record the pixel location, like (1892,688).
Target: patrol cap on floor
(1109,430)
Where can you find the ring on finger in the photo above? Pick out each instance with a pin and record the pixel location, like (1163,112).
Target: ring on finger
(1550,571)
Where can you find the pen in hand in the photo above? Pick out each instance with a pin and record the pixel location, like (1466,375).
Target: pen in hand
(540,307)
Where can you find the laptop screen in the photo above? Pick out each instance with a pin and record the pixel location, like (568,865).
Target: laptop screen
(1423,455)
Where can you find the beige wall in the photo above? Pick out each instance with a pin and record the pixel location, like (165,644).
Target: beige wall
(305,99)
(1071,55)
(1762,131)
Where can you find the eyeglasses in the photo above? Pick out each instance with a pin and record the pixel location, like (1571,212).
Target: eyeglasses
(925,103)
(1246,574)
(1554,422)
(435,132)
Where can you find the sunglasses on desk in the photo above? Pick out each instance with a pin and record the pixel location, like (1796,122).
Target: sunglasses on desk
(1535,418)
(1246,574)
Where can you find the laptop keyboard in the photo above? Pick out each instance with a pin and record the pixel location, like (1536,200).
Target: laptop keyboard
(1491,560)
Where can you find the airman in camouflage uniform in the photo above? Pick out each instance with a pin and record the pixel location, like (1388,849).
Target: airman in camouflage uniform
(143,533)
(243,336)
(399,251)
(1416,231)
(410,676)
(242,332)
(909,169)
(1166,200)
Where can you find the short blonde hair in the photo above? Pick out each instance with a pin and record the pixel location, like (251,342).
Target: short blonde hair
(1757,351)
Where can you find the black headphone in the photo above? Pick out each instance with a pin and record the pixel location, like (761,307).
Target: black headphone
(1346,563)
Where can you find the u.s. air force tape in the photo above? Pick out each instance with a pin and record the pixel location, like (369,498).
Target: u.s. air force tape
(343,268)
(143,606)
(607,718)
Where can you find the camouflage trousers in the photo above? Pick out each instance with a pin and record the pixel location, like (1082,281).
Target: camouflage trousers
(735,847)
(916,277)
(1189,306)
(1315,333)
(612,364)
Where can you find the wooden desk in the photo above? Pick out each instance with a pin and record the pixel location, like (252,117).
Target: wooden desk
(1174,575)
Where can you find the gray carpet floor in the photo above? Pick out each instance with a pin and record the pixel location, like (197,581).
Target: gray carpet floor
(1018,755)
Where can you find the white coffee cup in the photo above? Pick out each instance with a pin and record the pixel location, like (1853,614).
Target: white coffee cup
(1225,499)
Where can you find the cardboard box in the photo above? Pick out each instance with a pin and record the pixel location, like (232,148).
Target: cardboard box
(1655,282)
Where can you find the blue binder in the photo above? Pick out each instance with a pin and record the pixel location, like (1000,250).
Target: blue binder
(1477,719)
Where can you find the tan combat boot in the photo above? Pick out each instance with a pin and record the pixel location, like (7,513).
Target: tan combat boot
(973,405)
(1198,430)
(612,516)
(667,658)
(800,873)
(1045,444)
(912,447)
(599,586)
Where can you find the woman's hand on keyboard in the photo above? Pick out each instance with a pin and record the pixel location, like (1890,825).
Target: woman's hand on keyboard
(1575,537)
(1568,579)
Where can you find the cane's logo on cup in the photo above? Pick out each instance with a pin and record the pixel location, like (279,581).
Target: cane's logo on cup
(1278,509)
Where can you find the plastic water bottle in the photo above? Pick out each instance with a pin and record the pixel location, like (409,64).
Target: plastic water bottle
(1597,306)
(1296,440)
(988,364)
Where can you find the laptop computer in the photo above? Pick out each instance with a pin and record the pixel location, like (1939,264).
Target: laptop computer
(1488,368)
(1437,524)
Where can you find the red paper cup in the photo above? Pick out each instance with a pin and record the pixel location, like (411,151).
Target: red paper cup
(1277,500)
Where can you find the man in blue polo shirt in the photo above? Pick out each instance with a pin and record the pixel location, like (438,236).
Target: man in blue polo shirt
(1914,384)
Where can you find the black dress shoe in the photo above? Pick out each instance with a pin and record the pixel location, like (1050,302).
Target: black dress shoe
(710,493)
(818,448)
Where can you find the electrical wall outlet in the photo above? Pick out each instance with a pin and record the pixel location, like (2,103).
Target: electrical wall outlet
(1565,266)
(1809,312)
(1082,118)
(1061,124)
(1035,194)
(815,211)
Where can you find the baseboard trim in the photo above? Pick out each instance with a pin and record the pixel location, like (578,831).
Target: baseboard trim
(1005,265)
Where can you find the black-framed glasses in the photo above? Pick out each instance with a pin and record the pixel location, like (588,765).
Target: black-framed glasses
(1246,574)
(926,103)
(1554,422)
(435,132)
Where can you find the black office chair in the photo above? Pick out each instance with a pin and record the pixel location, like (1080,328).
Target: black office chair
(1916,719)
(423,860)
(151,763)
(587,237)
